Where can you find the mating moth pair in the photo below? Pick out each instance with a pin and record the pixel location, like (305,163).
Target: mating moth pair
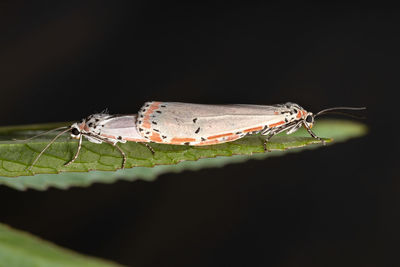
(190,124)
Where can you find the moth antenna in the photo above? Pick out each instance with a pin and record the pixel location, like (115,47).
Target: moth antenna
(43,133)
(338,108)
(348,115)
(46,147)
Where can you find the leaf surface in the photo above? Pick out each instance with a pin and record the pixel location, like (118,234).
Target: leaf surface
(18,248)
(104,161)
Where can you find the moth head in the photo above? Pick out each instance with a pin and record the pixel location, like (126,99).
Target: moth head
(75,131)
(309,120)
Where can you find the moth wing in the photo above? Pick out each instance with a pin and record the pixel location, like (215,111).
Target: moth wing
(122,127)
(194,123)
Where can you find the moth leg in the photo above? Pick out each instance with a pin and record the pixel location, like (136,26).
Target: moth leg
(314,135)
(272,132)
(122,153)
(148,146)
(76,154)
(115,144)
(266,140)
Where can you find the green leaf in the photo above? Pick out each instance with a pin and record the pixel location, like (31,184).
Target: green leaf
(16,156)
(21,249)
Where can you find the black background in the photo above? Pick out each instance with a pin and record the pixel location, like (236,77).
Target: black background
(336,206)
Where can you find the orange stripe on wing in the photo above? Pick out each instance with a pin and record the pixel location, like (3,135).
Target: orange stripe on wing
(146,124)
(253,129)
(276,124)
(179,141)
(136,140)
(146,120)
(216,141)
(218,136)
(210,142)
(155,137)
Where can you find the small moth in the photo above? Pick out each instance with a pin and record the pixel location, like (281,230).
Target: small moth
(191,124)
(99,128)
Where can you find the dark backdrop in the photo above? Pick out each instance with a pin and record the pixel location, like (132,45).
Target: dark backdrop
(337,206)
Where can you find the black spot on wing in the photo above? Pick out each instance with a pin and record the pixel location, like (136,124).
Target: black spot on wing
(197,131)
(194,120)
